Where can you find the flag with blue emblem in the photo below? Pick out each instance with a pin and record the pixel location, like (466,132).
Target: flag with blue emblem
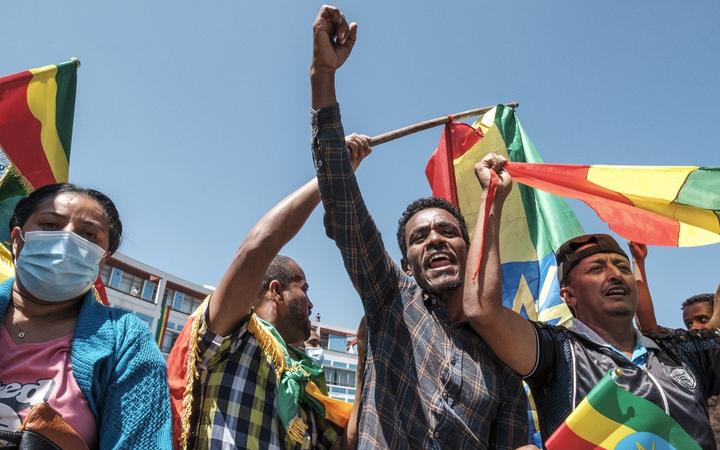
(534,223)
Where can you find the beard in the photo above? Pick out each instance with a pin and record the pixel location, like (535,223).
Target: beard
(441,286)
(298,318)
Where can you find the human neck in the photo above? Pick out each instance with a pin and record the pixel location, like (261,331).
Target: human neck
(31,308)
(618,332)
(453,301)
(266,311)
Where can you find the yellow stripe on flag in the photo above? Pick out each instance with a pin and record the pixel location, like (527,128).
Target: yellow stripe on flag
(41,95)
(691,236)
(661,182)
(594,427)
(7,269)
(697,226)
(513,229)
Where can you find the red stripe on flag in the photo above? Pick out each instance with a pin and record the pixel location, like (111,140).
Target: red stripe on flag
(565,439)
(20,131)
(621,214)
(442,180)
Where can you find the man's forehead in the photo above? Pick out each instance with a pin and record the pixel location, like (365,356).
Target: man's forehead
(427,216)
(697,308)
(602,256)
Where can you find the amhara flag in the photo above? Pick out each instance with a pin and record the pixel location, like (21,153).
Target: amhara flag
(671,206)
(534,223)
(614,419)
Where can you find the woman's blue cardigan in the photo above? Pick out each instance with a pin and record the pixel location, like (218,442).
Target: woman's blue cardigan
(120,370)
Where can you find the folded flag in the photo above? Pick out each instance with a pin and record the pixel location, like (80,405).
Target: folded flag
(614,419)
(671,206)
(36,117)
(534,223)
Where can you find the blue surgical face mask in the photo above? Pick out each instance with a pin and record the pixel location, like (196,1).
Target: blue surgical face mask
(57,265)
(316,354)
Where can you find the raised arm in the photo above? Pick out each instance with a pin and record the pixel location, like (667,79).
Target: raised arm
(239,286)
(347,220)
(645,314)
(508,334)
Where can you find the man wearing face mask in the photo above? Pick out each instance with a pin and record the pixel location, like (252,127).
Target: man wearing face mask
(313,348)
(65,355)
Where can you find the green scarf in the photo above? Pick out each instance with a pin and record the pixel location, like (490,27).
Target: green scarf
(294,370)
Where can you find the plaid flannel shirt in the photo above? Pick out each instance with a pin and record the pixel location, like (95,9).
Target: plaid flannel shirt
(429,383)
(237,398)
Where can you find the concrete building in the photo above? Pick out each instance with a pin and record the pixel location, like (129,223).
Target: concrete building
(144,290)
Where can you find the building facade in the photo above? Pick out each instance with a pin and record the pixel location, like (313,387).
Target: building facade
(165,302)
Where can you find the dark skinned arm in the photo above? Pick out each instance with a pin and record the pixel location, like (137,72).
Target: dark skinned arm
(508,334)
(645,314)
(239,286)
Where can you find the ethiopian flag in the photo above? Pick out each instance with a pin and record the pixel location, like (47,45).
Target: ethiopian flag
(534,223)
(36,118)
(612,418)
(671,206)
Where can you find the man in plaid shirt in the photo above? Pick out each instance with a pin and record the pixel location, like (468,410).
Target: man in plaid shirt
(235,399)
(430,380)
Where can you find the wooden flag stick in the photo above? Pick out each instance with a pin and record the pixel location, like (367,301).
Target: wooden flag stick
(410,129)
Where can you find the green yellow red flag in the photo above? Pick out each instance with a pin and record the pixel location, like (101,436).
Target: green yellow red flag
(658,205)
(534,223)
(612,418)
(37,107)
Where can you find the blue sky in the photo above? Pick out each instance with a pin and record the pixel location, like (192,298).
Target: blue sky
(194,116)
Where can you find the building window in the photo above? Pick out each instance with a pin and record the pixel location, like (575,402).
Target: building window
(148,290)
(130,284)
(115,278)
(179,301)
(105,274)
(337,343)
(168,341)
(339,377)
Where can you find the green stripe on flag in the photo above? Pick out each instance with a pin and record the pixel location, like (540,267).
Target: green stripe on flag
(635,412)
(701,189)
(66,79)
(551,222)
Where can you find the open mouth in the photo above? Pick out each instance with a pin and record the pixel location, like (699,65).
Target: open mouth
(617,291)
(439,260)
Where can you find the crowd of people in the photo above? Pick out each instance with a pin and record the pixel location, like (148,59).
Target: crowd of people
(441,360)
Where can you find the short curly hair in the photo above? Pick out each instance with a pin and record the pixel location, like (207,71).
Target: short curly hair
(699,298)
(427,203)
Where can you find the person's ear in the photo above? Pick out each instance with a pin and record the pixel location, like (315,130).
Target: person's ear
(405,266)
(275,289)
(568,297)
(17,241)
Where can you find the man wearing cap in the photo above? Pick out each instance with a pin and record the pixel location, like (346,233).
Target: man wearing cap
(676,370)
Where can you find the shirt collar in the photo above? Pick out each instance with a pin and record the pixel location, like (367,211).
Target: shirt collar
(642,343)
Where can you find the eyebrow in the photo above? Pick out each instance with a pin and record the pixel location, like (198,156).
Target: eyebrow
(440,223)
(92,222)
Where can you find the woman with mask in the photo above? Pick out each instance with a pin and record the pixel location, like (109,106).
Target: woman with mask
(98,367)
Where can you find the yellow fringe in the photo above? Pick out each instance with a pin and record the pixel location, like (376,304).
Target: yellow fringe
(192,375)
(297,429)
(268,344)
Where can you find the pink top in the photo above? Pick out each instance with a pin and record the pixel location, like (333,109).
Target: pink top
(34,373)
